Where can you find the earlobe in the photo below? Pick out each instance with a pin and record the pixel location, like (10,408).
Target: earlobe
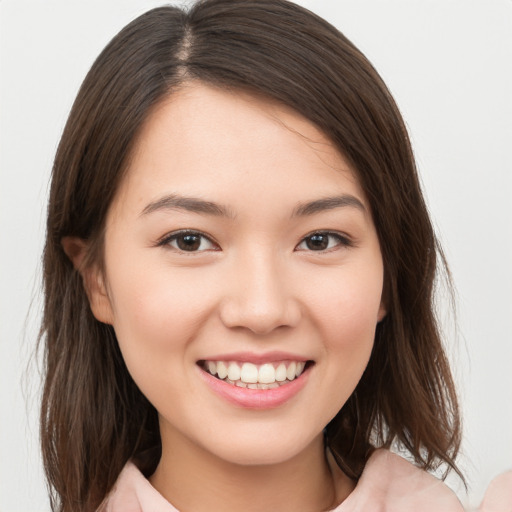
(382,312)
(92,278)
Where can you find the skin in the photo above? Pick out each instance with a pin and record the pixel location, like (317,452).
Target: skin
(253,286)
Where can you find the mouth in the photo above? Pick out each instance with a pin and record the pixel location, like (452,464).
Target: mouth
(268,375)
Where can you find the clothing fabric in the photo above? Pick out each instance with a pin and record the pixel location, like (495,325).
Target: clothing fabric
(389,483)
(498,497)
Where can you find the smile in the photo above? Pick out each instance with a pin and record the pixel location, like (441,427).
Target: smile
(256,381)
(253,376)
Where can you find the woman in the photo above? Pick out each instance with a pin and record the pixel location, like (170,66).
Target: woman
(239,272)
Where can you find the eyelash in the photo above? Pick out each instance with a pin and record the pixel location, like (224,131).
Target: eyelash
(341,241)
(168,239)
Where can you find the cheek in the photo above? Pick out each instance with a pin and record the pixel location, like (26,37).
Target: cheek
(154,328)
(155,315)
(347,306)
(346,313)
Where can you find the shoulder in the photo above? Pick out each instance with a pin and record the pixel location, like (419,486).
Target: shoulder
(390,483)
(133,493)
(498,497)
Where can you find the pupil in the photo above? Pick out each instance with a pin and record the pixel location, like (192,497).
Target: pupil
(189,242)
(317,242)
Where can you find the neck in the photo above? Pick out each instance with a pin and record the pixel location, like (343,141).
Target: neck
(195,480)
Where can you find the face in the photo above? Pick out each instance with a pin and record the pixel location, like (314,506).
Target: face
(243,275)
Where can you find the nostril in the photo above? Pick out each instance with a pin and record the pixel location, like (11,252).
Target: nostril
(260,306)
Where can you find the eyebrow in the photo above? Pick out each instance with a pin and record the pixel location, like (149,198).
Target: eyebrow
(191,204)
(196,205)
(328,203)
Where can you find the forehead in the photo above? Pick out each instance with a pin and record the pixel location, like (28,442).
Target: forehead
(230,146)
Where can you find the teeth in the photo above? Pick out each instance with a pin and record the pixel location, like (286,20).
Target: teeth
(249,375)
(290,371)
(222,370)
(266,374)
(233,371)
(281,373)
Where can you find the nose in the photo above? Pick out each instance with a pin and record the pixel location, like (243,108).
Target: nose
(258,296)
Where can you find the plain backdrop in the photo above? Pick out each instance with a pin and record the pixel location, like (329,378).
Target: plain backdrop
(448,64)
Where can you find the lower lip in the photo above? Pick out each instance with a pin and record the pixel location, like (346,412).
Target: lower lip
(255,398)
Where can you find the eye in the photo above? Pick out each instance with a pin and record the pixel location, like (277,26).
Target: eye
(323,241)
(189,241)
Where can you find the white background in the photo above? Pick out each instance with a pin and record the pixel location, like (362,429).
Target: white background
(448,63)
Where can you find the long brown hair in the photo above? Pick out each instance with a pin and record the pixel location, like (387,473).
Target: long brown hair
(94,418)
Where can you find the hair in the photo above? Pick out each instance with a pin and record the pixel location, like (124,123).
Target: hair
(94,418)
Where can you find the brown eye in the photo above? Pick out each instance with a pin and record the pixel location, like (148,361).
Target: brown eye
(189,242)
(317,242)
(322,241)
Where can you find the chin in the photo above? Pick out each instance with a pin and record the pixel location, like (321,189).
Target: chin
(261,448)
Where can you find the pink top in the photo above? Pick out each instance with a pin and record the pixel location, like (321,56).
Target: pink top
(498,497)
(388,484)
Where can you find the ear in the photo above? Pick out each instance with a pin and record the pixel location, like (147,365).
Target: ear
(92,278)
(383,311)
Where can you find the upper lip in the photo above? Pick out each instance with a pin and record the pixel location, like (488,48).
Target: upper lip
(251,357)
